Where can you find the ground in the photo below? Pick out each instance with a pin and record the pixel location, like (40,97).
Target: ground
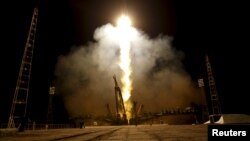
(119,133)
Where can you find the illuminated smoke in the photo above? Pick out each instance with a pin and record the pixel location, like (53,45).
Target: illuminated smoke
(84,76)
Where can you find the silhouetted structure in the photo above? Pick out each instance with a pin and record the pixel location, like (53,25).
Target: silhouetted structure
(215,104)
(50,103)
(19,104)
(120,108)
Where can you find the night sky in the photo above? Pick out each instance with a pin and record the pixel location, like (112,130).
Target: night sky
(197,27)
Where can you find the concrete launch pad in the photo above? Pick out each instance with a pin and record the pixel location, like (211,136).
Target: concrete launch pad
(155,132)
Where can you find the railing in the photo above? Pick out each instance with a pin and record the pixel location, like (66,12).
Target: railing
(48,126)
(34,126)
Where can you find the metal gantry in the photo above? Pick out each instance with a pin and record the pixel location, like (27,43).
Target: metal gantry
(120,108)
(20,99)
(215,103)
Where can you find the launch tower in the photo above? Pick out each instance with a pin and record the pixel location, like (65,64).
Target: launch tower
(19,104)
(120,108)
(215,104)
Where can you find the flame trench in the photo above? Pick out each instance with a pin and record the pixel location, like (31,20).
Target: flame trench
(124,32)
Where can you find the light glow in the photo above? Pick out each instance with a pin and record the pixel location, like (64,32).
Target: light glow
(124,34)
(124,21)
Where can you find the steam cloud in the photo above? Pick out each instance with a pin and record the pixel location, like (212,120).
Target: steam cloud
(84,76)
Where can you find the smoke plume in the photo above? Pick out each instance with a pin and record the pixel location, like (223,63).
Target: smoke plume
(84,76)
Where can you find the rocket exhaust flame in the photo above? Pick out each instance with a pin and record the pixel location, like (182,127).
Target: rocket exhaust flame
(159,81)
(124,33)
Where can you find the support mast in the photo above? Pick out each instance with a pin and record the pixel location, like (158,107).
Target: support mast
(20,99)
(216,109)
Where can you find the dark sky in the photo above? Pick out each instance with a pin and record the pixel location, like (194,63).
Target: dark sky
(197,27)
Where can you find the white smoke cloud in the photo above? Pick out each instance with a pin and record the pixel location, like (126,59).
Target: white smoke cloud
(84,76)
